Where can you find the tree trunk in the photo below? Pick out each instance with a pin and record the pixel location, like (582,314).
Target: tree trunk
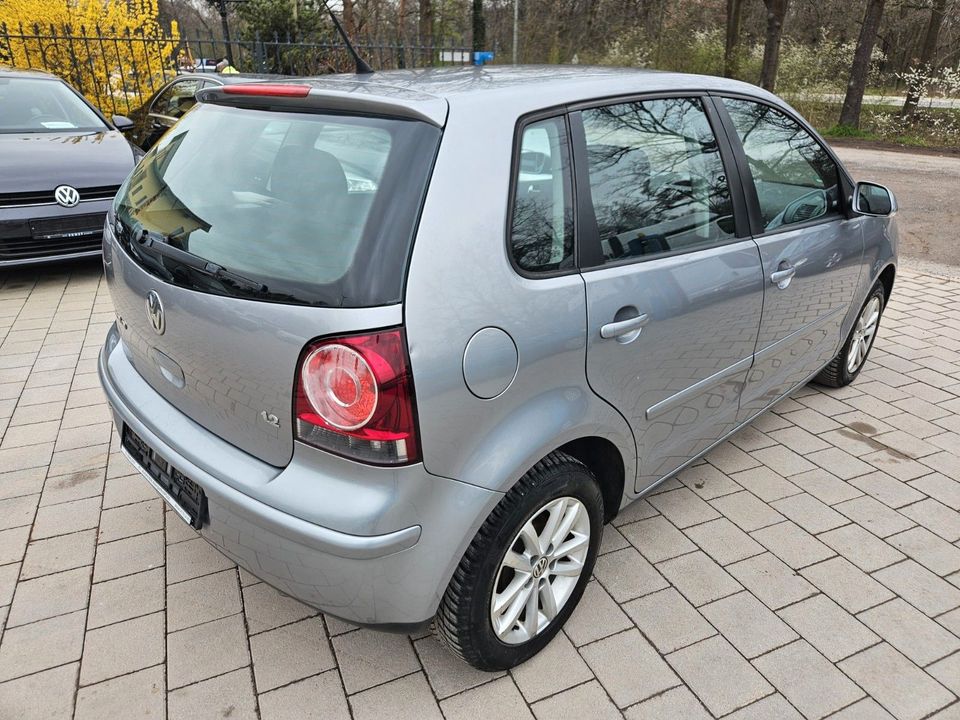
(479,26)
(349,20)
(853,100)
(730,58)
(426,22)
(927,53)
(776,13)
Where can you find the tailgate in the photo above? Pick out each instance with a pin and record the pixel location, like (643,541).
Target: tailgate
(227,363)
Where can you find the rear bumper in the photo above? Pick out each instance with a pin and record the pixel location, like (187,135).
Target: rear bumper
(393,538)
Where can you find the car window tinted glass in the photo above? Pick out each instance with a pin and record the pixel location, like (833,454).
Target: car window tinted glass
(319,208)
(176,99)
(542,232)
(656,178)
(35,105)
(795,178)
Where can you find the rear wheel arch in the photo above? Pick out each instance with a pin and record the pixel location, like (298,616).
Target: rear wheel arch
(604,460)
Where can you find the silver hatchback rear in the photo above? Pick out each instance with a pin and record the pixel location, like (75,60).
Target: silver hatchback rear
(377,345)
(258,366)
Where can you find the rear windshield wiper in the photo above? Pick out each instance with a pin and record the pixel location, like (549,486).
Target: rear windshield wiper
(160,245)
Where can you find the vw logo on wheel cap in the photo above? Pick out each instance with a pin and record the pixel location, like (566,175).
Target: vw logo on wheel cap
(539,567)
(66,195)
(155,312)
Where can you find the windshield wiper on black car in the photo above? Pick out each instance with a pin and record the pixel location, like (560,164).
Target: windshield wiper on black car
(161,246)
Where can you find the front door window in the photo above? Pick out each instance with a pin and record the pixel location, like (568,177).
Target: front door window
(795,179)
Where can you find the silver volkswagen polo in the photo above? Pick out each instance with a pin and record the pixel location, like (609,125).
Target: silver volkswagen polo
(401,344)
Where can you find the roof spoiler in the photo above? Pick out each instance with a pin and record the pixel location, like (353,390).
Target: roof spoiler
(343,96)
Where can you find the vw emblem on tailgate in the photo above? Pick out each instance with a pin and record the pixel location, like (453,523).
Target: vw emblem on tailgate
(155,312)
(66,195)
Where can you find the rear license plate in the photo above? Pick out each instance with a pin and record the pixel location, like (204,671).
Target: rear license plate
(183,494)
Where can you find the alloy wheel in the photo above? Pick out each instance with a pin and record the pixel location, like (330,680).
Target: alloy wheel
(540,570)
(863,334)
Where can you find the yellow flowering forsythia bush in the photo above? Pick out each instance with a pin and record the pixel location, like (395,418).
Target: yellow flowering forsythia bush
(114,51)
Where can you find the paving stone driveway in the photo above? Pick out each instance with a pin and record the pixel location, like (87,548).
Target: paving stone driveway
(810,567)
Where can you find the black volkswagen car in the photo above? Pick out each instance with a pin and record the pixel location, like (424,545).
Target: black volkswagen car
(61,163)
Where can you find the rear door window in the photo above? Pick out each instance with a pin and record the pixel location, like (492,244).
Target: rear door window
(795,178)
(657,181)
(319,209)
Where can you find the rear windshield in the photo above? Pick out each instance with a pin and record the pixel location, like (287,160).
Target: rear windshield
(304,208)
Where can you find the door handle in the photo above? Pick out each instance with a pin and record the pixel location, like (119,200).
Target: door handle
(782,277)
(623,327)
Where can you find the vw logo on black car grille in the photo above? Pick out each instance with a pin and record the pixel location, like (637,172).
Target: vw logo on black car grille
(66,195)
(155,312)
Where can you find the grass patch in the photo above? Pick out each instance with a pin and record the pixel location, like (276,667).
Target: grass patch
(848,131)
(929,127)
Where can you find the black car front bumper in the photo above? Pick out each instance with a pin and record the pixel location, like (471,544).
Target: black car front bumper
(45,233)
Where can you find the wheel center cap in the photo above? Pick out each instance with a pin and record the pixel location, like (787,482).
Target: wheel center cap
(539,567)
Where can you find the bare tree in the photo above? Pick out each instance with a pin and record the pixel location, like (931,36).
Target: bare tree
(730,58)
(927,52)
(479,25)
(776,14)
(349,19)
(853,100)
(402,22)
(426,22)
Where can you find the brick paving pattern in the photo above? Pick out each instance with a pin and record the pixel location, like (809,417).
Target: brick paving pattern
(810,567)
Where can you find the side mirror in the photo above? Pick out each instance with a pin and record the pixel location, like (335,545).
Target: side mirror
(122,123)
(873,199)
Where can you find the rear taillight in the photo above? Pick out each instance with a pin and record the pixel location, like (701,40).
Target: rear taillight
(355,398)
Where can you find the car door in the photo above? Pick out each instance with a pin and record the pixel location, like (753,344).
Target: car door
(810,249)
(674,286)
(168,107)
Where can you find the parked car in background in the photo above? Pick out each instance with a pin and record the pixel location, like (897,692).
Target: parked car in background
(418,396)
(205,65)
(172,100)
(61,163)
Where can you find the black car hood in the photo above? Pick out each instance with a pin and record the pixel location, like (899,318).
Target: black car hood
(41,161)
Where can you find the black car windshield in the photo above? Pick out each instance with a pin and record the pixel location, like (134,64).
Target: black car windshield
(42,105)
(318,209)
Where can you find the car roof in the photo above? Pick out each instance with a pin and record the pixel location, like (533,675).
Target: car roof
(25,73)
(434,94)
(512,89)
(451,83)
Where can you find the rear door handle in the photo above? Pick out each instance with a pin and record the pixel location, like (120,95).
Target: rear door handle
(782,277)
(623,327)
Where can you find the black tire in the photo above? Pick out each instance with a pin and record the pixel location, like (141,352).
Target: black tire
(837,374)
(463,621)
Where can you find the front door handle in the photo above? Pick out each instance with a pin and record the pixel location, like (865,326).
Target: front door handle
(622,328)
(782,277)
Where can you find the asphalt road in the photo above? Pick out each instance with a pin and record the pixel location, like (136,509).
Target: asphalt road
(927,188)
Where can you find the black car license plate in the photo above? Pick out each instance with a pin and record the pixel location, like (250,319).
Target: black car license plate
(180,491)
(69,226)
